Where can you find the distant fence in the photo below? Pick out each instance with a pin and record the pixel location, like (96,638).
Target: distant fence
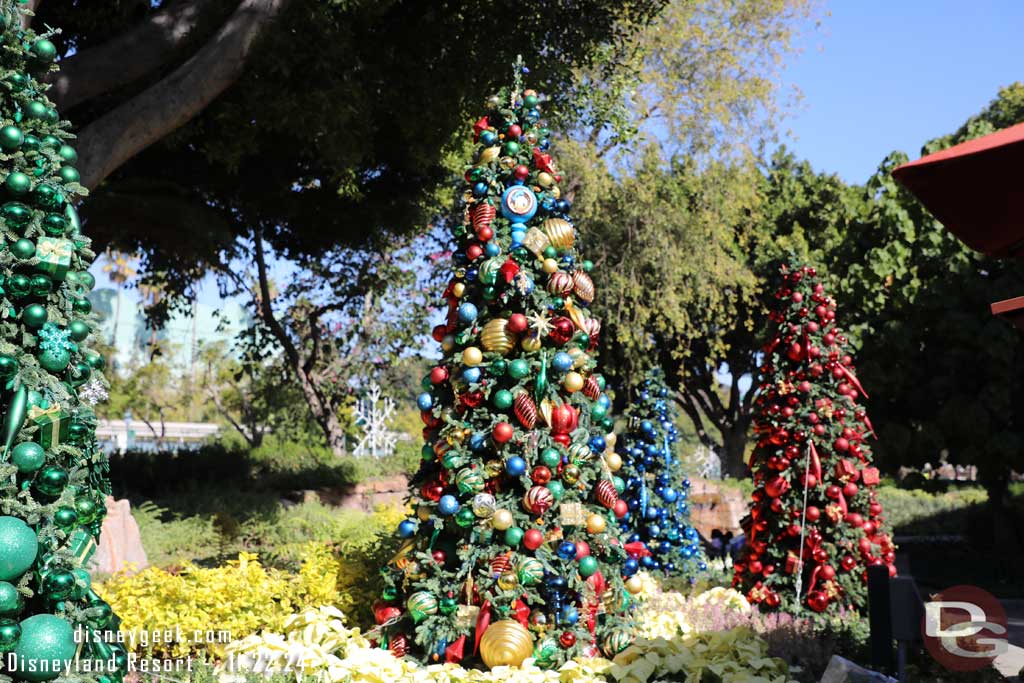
(123,435)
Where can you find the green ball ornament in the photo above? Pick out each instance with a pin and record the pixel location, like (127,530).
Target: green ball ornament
(513,535)
(556,488)
(69,174)
(10,634)
(557,303)
(497,367)
(81,305)
(426,453)
(34,315)
(519,368)
(16,215)
(550,457)
(530,101)
(48,196)
(32,143)
(619,484)
(52,116)
(597,412)
(582,340)
(11,138)
(490,293)
(23,249)
(18,548)
(19,285)
(88,510)
(600,382)
(36,110)
(448,606)
(28,457)
(40,285)
(421,605)
(588,266)
(388,593)
(65,517)
(465,517)
(103,614)
(503,399)
(44,51)
(550,252)
(17,81)
(79,330)
(78,431)
(587,566)
(58,585)
(47,643)
(18,183)
(51,481)
(8,366)
(85,278)
(608,424)
(54,224)
(10,600)
(54,360)
(511,148)
(52,141)
(68,153)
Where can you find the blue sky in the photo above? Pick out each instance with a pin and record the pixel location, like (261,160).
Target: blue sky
(881,75)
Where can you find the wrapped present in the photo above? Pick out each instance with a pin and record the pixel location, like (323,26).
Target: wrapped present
(792,562)
(82,545)
(54,256)
(54,423)
(869,476)
(845,470)
(572,514)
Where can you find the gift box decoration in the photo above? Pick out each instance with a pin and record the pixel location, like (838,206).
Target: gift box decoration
(54,423)
(82,545)
(54,256)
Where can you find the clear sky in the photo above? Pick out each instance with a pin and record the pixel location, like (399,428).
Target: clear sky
(882,75)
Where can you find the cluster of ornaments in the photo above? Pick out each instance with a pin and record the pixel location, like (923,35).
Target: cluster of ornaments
(514,550)
(656,488)
(52,481)
(811,441)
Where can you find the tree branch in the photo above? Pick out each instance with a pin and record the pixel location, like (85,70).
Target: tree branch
(129,56)
(685,401)
(119,135)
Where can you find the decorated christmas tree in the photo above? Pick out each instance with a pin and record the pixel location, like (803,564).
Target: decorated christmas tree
(814,522)
(656,487)
(52,477)
(513,551)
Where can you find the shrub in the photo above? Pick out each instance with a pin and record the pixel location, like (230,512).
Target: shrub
(918,512)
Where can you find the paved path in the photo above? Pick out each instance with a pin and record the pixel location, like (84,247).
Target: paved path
(1012,661)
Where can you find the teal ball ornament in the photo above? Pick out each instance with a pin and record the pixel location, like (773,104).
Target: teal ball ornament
(45,649)
(87,510)
(81,375)
(34,315)
(587,566)
(54,224)
(8,365)
(68,153)
(65,517)
(79,330)
(11,138)
(40,285)
(28,457)
(11,601)
(18,81)
(52,141)
(18,183)
(44,51)
(23,248)
(58,585)
(19,285)
(36,110)
(69,174)
(10,634)
(81,305)
(32,143)
(54,360)
(51,481)
(18,548)
(16,215)
(95,361)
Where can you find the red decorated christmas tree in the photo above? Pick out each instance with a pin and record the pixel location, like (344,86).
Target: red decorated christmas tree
(814,523)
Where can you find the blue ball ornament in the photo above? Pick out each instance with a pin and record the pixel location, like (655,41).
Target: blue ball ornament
(518,204)
(648,562)
(651,513)
(653,530)
(563,206)
(597,443)
(647,426)
(686,483)
(687,552)
(478,441)
(406,528)
(472,274)
(488,137)
(562,362)
(691,533)
(604,401)
(566,550)
(425,401)
(662,479)
(480,189)
(703,566)
(670,567)
(669,495)
(515,466)
(471,375)
(630,567)
(570,615)
(448,505)
(467,312)
(545,144)
(664,547)
(492,249)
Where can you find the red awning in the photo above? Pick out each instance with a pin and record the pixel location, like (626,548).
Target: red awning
(975,189)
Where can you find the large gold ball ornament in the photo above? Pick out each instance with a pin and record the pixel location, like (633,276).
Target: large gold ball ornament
(508,581)
(559,232)
(550,265)
(502,519)
(634,584)
(596,524)
(573,382)
(545,179)
(614,461)
(531,342)
(506,643)
(487,155)
(471,356)
(458,289)
(496,337)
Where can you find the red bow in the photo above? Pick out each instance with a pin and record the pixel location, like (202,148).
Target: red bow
(522,613)
(542,161)
(509,269)
(637,549)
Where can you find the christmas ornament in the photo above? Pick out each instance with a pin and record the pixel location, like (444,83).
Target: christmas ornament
(18,548)
(45,648)
(505,643)
(538,500)
(496,337)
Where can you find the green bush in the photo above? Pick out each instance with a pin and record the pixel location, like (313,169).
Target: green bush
(919,513)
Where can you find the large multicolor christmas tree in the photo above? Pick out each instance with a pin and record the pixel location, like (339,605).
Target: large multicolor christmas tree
(814,523)
(52,478)
(656,486)
(514,550)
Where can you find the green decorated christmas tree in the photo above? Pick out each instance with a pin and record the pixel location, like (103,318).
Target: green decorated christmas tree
(815,523)
(52,477)
(656,486)
(514,549)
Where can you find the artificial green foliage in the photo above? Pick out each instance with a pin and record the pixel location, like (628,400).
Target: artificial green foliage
(656,485)
(513,502)
(51,376)
(815,522)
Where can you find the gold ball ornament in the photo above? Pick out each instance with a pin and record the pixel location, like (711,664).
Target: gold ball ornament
(423,512)
(472,356)
(502,519)
(583,286)
(531,342)
(508,581)
(495,336)
(549,265)
(573,382)
(555,191)
(596,524)
(545,179)
(634,584)
(458,289)
(448,343)
(507,162)
(506,643)
(614,461)
(559,232)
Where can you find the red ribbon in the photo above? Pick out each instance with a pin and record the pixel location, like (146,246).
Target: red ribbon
(871,427)
(814,578)
(853,380)
(842,503)
(522,613)
(453,653)
(483,620)
(637,549)
(815,463)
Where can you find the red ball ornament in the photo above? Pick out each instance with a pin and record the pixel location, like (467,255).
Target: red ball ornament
(820,555)
(474,251)
(864,545)
(567,639)
(832,491)
(503,432)
(439,556)
(439,332)
(438,374)
(772,600)
(827,572)
(755,567)
(432,490)
(513,132)
(813,513)
(869,528)
(875,509)
(776,486)
(797,297)
(484,233)
(540,475)
(517,323)
(562,330)
(776,505)
(384,613)
(850,489)
(842,444)
(582,549)
(848,562)
(804,386)
(621,509)
(795,352)
(521,172)
(854,519)
(817,601)
(533,539)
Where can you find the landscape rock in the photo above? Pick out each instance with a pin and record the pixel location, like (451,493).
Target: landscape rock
(120,547)
(844,671)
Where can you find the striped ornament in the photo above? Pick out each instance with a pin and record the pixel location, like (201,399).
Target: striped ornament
(583,286)
(482,215)
(530,571)
(559,283)
(591,388)
(539,500)
(469,480)
(605,493)
(525,410)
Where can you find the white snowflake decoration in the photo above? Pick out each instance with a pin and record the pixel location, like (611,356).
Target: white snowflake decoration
(93,392)
(372,414)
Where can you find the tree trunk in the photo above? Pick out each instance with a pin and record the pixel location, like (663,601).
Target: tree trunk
(734,444)
(322,412)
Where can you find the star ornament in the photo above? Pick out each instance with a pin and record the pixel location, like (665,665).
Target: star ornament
(540,324)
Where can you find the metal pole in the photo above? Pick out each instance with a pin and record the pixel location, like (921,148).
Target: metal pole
(880,617)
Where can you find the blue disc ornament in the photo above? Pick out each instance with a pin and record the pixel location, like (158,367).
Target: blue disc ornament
(518,204)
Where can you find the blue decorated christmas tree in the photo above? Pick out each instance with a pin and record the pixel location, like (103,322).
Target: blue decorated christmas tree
(656,487)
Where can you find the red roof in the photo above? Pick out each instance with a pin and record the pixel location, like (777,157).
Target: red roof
(976,189)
